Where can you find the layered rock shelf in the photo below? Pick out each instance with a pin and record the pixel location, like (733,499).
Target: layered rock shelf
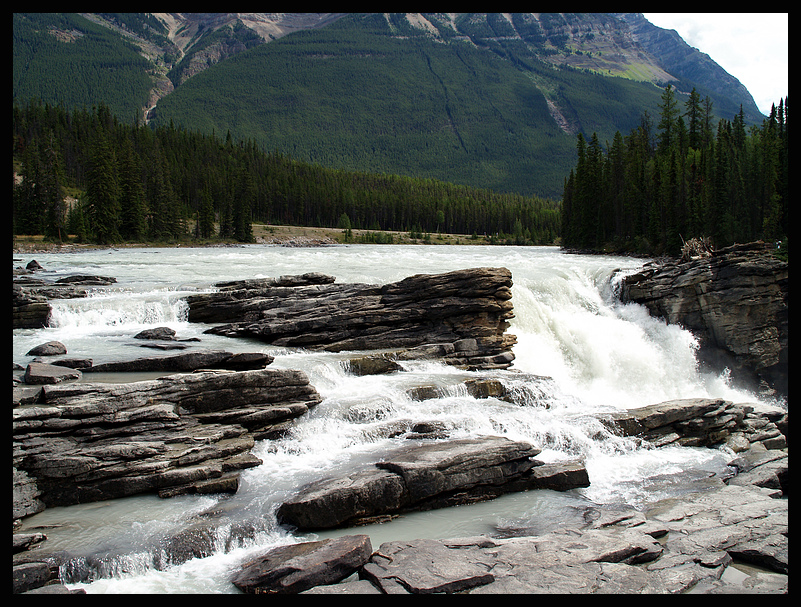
(734,300)
(425,476)
(193,432)
(183,433)
(460,317)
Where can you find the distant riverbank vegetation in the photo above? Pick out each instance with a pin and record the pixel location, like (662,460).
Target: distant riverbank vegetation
(86,174)
(656,188)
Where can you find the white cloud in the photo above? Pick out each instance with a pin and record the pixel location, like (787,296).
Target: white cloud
(752,47)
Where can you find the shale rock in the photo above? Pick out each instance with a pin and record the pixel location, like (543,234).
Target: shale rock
(184,433)
(703,422)
(29,310)
(297,567)
(426,476)
(459,316)
(735,301)
(679,545)
(185,362)
(40,373)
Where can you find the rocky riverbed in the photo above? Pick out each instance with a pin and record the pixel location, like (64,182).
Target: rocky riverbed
(192,431)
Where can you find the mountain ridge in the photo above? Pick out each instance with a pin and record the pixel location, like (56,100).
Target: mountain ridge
(491,85)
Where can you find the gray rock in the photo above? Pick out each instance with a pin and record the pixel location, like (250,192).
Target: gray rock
(27,576)
(297,567)
(469,308)
(185,433)
(51,348)
(41,373)
(190,361)
(424,476)
(156,333)
(736,301)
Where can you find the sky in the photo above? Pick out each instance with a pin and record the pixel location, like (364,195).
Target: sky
(752,47)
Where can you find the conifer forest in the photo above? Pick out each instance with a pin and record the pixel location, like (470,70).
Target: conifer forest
(645,193)
(686,177)
(134,183)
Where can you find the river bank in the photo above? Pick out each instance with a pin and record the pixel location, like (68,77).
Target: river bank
(291,236)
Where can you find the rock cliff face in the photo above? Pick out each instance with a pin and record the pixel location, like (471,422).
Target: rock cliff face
(735,301)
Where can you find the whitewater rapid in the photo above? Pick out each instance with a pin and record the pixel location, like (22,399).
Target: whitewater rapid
(590,353)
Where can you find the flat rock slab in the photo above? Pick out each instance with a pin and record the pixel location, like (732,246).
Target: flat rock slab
(425,476)
(191,361)
(42,373)
(297,567)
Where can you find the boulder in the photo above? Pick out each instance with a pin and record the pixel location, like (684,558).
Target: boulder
(51,348)
(735,301)
(297,567)
(424,476)
(156,333)
(462,315)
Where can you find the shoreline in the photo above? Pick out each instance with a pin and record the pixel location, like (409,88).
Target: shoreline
(290,236)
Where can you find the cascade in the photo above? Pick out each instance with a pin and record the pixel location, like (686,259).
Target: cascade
(579,353)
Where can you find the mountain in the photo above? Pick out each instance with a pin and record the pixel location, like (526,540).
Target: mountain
(486,99)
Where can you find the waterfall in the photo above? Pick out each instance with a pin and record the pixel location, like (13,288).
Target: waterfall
(579,352)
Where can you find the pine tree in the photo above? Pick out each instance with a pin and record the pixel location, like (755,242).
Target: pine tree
(102,191)
(205,221)
(51,192)
(133,224)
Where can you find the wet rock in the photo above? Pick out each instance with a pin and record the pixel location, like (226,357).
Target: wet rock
(156,333)
(28,576)
(297,567)
(190,361)
(372,365)
(72,363)
(30,307)
(86,279)
(425,476)
(29,310)
(51,348)
(702,422)
(184,433)
(462,314)
(735,301)
(41,373)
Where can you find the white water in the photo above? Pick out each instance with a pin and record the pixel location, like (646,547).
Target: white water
(601,356)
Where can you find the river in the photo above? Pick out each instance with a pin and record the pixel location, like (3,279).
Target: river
(600,355)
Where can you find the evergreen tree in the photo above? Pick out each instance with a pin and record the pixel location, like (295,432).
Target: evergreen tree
(205,220)
(51,192)
(102,191)
(133,223)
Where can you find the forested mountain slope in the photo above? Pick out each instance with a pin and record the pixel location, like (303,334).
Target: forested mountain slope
(492,100)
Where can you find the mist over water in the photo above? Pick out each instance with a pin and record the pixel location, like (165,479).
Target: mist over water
(579,353)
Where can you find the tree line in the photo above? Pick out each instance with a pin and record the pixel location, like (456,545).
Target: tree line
(134,183)
(652,190)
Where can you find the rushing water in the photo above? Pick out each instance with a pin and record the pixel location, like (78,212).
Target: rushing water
(601,356)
